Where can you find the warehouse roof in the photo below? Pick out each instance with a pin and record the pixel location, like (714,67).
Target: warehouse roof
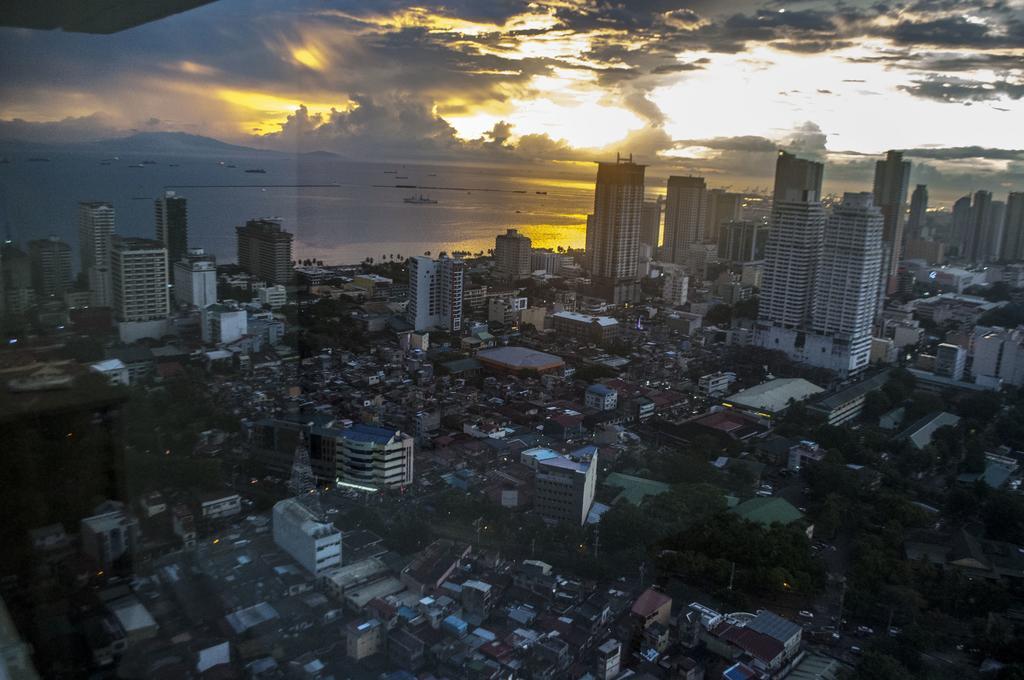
(519,358)
(775,395)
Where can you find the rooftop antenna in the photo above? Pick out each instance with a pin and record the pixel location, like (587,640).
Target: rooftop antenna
(302,483)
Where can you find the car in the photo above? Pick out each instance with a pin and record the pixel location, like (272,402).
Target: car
(894,631)
(804,614)
(855,650)
(865,630)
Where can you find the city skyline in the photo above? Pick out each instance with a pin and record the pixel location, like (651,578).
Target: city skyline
(562,82)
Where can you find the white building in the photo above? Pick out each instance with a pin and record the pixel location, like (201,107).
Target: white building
(715,384)
(547,261)
(195,279)
(505,310)
(109,535)
(114,369)
(686,208)
(313,543)
(138,270)
(223,323)
(601,397)
(95,230)
(435,293)
(950,361)
(675,284)
(563,488)
(274,296)
(219,506)
(512,255)
(998,356)
(375,457)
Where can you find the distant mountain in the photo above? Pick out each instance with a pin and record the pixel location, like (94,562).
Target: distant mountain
(321,154)
(175,143)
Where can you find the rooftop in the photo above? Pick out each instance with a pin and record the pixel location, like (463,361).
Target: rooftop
(520,358)
(775,395)
(650,601)
(767,511)
(586,318)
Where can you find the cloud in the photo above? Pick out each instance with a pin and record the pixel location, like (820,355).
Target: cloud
(960,90)
(67,130)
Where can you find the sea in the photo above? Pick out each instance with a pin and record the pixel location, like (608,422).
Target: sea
(341,211)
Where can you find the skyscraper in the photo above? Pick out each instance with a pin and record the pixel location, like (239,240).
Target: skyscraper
(172,224)
(794,245)
(512,254)
(195,279)
(977,239)
(960,224)
(686,210)
(892,178)
(650,224)
(265,250)
(1013,227)
(918,211)
(613,232)
(435,293)
(50,260)
(138,268)
(743,241)
(845,297)
(95,227)
(996,222)
(723,207)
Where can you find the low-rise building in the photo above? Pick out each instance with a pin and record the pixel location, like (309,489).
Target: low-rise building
(312,542)
(586,327)
(563,488)
(109,535)
(375,457)
(601,397)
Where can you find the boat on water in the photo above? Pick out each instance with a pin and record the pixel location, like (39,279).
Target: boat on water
(136,165)
(258,171)
(39,160)
(541,193)
(401,177)
(419,200)
(149,162)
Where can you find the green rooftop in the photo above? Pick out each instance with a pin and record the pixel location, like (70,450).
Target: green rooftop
(635,489)
(767,511)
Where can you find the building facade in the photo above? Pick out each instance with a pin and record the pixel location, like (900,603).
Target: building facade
(311,542)
(171,212)
(375,457)
(435,293)
(50,260)
(916,219)
(613,230)
(265,250)
(195,279)
(892,179)
(512,255)
(686,214)
(139,279)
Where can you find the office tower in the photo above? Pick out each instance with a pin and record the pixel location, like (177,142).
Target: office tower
(686,210)
(18,292)
(794,245)
(918,212)
(892,178)
(435,293)
(960,224)
(95,228)
(650,224)
(614,230)
(1013,227)
(172,224)
(996,222)
(376,457)
(512,255)
(977,240)
(195,279)
(743,241)
(138,269)
(845,295)
(723,207)
(50,260)
(265,250)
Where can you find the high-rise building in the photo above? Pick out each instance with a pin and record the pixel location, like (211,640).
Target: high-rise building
(675,284)
(794,244)
(265,250)
(892,179)
(723,207)
(95,228)
(563,487)
(686,211)
(743,241)
(138,269)
(195,279)
(50,259)
(613,232)
(977,239)
(435,293)
(1013,227)
(375,457)
(960,224)
(512,255)
(918,212)
(650,223)
(996,223)
(171,213)
(845,296)
(16,278)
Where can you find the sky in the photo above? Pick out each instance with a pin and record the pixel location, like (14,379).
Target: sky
(708,87)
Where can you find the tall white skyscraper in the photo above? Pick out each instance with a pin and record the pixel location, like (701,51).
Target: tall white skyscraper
(686,209)
(138,269)
(95,229)
(613,231)
(794,244)
(435,293)
(846,282)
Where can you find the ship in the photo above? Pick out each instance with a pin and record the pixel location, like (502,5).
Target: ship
(419,200)
(401,177)
(259,171)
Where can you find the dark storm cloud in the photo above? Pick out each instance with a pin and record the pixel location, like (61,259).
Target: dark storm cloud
(966,152)
(949,89)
